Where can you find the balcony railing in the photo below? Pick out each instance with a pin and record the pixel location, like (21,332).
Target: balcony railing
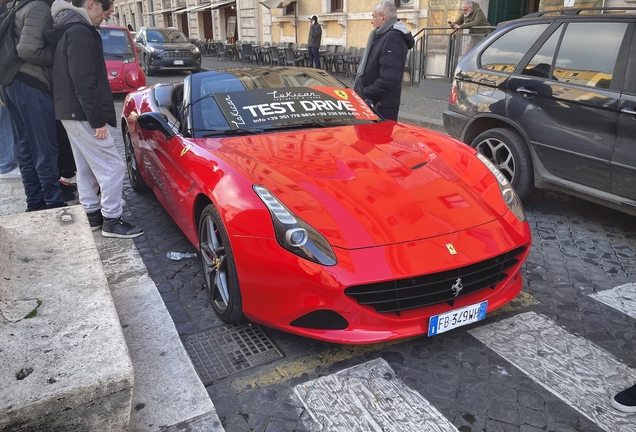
(437,51)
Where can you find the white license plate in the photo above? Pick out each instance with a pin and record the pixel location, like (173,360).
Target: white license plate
(178,62)
(457,318)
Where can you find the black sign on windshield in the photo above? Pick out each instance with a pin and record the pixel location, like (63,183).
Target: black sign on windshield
(263,107)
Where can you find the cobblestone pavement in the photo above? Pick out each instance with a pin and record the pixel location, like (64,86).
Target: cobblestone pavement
(579,249)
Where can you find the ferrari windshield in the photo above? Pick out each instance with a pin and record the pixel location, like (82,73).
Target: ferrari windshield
(272,99)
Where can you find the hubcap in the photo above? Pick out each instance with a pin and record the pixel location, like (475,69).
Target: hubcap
(499,154)
(131,163)
(214,265)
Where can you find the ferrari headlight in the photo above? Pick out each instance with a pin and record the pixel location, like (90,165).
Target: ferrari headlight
(508,193)
(294,234)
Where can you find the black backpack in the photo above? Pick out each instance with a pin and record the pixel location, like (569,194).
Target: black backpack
(8,55)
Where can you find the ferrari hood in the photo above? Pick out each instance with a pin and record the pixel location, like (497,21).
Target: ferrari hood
(364,186)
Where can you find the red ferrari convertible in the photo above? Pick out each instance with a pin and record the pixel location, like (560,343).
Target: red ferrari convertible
(315,216)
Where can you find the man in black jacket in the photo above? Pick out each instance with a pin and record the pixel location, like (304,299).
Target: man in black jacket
(381,69)
(84,104)
(313,43)
(28,99)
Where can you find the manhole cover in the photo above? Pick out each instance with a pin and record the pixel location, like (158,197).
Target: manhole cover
(221,351)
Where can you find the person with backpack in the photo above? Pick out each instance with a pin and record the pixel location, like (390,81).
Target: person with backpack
(84,104)
(27,96)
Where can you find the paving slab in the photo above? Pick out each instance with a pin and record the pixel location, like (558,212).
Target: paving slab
(64,364)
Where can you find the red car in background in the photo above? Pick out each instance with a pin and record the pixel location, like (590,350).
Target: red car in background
(122,62)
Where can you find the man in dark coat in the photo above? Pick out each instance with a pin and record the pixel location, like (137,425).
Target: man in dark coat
(84,104)
(381,69)
(28,99)
(313,43)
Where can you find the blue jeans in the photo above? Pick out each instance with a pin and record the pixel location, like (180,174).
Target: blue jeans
(314,57)
(8,147)
(33,121)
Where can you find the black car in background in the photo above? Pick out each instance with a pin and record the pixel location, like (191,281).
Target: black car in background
(551,100)
(167,48)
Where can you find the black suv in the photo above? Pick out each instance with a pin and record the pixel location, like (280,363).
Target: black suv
(167,48)
(551,99)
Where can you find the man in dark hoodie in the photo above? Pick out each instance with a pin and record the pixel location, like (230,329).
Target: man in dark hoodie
(28,99)
(84,104)
(381,69)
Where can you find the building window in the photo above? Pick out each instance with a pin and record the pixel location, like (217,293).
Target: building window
(404,3)
(290,9)
(336,5)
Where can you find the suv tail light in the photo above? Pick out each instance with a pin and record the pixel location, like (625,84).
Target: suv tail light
(453,94)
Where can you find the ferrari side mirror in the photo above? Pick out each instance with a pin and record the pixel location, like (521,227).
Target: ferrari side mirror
(154,121)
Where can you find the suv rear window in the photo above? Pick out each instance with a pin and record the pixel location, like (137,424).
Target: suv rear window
(505,53)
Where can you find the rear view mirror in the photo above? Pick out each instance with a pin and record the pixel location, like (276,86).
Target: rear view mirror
(154,121)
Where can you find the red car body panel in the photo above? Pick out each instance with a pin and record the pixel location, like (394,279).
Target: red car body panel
(388,197)
(124,77)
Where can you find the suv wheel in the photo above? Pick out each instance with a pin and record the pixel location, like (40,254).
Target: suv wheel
(507,150)
(147,69)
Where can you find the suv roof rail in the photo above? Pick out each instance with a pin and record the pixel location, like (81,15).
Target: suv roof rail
(577,11)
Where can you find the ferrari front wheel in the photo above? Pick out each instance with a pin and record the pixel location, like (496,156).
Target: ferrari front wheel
(136,181)
(219,270)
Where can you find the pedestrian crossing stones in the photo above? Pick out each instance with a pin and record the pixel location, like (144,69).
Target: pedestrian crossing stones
(622,298)
(572,368)
(368,397)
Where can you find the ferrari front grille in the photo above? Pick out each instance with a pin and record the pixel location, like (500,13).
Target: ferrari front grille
(178,55)
(426,290)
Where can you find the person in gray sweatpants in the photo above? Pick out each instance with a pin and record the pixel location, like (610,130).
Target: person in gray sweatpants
(84,104)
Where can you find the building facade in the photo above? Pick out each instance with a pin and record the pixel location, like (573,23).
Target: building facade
(344,22)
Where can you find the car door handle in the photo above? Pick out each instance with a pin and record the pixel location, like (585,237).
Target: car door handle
(631,111)
(527,91)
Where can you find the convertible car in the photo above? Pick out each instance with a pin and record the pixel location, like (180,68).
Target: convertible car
(316,216)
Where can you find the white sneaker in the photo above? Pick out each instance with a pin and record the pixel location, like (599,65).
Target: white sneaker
(15,174)
(69,181)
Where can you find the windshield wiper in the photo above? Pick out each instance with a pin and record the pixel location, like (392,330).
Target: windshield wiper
(305,125)
(114,55)
(229,132)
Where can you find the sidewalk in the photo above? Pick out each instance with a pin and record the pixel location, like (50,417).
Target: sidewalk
(421,105)
(67,358)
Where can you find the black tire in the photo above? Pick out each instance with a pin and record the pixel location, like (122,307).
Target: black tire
(147,69)
(136,181)
(219,270)
(509,152)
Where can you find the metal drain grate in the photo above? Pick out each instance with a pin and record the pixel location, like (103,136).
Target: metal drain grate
(221,351)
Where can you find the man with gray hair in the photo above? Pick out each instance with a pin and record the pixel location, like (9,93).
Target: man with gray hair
(472,16)
(381,70)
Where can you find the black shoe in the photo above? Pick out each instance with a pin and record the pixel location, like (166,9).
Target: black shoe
(625,400)
(58,205)
(95,220)
(67,195)
(37,207)
(118,228)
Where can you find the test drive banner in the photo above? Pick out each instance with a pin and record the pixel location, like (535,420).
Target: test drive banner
(257,108)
